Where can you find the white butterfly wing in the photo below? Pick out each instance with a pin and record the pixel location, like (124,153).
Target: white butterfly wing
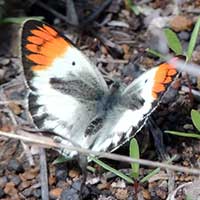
(128,117)
(64,84)
(66,89)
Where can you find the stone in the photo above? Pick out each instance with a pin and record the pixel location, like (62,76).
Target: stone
(1,193)
(37,193)
(55,193)
(180,23)
(61,174)
(14,165)
(3,181)
(16,180)
(4,61)
(27,192)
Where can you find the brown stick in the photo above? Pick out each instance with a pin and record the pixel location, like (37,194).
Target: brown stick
(49,143)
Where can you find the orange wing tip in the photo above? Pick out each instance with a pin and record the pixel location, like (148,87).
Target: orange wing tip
(168,80)
(154,95)
(35,40)
(39,59)
(158,87)
(45,45)
(42,34)
(32,47)
(163,76)
(39,67)
(50,30)
(171,72)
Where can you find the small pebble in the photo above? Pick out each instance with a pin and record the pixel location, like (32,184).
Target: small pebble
(27,192)
(24,184)
(121,194)
(16,109)
(74,173)
(186,163)
(146,194)
(28,175)
(131,197)
(161,193)
(78,185)
(193,80)
(69,194)
(4,61)
(62,184)
(14,165)
(188,127)
(73,192)
(1,193)
(10,188)
(16,180)
(183,35)
(181,23)
(55,193)
(37,193)
(119,184)
(61,174)
(3,181)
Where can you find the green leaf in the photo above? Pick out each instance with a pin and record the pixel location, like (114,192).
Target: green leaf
(155,53)
(61,159)
(195,115)
(135,9)
(17,20)
(111,169)
(193,40)
(191,135)
(173,41)
(134,153)
(148,176)
(156,171)
(132,6)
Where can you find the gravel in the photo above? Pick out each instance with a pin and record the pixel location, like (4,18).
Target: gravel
(14,165)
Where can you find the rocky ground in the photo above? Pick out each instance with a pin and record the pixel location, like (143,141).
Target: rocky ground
(116,40)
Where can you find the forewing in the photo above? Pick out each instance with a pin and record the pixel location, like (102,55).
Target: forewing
(64,85)
(129,116)
(151,85)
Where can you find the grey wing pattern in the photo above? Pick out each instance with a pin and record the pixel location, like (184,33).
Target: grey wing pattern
(65,91)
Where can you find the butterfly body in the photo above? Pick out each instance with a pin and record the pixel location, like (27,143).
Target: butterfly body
(69,96)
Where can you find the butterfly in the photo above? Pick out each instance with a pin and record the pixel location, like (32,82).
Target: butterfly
(69,96)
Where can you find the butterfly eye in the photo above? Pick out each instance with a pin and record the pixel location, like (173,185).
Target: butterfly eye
(73,63)
(145,80)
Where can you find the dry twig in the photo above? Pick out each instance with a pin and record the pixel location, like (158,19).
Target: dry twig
(50,143)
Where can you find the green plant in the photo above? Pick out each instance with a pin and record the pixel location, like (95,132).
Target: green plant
(174,43)
(130,5)
(193,40)
(134,153)
(18,20)
(195,116)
